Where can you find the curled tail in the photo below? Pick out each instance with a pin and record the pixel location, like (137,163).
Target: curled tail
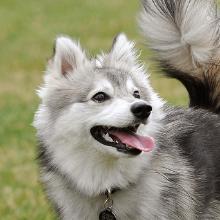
(186,37)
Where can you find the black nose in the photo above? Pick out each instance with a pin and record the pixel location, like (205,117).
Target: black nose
(141,110)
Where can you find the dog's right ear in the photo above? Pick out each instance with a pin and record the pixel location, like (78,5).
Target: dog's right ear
(68,56)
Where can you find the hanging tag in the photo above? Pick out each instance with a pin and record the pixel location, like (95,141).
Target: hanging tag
(107,214)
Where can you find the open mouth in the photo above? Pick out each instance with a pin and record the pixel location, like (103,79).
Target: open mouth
(125,140)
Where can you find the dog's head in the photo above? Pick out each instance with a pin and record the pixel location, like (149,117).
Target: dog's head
(104,104)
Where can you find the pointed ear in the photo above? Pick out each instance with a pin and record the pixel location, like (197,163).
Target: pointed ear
(68,55)
(123,50)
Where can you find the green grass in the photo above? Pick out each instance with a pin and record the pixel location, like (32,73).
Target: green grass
(28,29)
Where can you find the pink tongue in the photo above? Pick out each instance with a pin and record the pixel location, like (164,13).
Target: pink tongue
(133,140)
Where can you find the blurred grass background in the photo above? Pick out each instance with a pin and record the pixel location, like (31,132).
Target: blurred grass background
(28,29)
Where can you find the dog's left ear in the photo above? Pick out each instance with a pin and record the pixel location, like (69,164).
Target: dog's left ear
(123,50)
(68,56)
(122,54)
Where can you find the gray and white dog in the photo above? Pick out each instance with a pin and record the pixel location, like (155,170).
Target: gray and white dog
(110,148)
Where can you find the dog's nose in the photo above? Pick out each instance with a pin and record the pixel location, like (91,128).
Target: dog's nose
(141,110)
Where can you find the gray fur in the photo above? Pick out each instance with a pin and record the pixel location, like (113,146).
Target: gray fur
(185,37)
(185,33)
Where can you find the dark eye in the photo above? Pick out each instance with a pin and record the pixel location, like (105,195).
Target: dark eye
(100,97)
(136,94)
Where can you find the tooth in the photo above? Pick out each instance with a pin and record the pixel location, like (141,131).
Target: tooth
(128,146)
(107,137)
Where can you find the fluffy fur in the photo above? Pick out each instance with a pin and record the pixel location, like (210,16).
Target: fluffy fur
(185,36)
(179,179)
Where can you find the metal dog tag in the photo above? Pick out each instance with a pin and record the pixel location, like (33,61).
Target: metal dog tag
(107,214)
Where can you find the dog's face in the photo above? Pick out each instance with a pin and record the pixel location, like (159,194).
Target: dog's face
(104,105)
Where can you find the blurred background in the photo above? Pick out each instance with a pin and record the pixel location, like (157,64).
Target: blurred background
(28,30)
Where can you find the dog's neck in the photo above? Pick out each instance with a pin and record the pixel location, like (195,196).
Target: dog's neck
(92,173)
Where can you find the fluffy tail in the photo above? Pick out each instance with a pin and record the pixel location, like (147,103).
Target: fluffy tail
(186,36)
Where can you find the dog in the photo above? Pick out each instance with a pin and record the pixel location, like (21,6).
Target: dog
(110,147)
